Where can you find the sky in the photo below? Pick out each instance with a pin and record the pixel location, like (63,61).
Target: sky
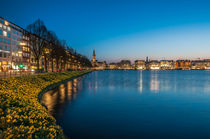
(122,29)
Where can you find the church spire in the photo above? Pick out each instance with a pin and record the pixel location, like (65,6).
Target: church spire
(94,54)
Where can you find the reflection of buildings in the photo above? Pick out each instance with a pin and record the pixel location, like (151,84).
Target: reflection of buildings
(154,82)
(57,98)
(141,82)
(98,65)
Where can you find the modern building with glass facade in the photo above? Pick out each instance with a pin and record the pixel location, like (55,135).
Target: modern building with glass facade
(14,47)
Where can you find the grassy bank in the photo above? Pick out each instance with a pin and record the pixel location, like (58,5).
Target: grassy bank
(21,114)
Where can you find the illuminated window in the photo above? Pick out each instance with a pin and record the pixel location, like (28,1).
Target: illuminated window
(5,33)
(8,28)
(0,25)
(6,23)
(5,27)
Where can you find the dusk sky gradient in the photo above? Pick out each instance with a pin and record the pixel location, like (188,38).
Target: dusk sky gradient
(122,29)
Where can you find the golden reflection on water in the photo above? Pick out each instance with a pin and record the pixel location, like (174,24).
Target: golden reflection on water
(59,96)
(154,82)
(140,82)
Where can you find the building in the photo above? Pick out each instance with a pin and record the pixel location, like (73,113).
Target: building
(154,65)
(183,64)
(113,66)
(167,64)
(201,64)
(97,65)
(140,64)
(101,65)
(125,64)
(198,64)
(14,47)
(207,64)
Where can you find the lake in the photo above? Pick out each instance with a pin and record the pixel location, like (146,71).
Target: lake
(131,104)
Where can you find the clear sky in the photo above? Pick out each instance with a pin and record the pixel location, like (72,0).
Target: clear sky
(122,29)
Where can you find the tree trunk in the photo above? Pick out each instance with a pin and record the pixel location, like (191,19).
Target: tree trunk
(57,65)
(45,63)
(37,64)
(52,64)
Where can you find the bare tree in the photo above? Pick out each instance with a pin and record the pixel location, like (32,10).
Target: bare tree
(37,37)
(53,41)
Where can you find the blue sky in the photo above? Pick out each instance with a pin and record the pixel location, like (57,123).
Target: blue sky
(122,29)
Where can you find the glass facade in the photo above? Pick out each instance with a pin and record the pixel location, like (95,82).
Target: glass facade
(11,50)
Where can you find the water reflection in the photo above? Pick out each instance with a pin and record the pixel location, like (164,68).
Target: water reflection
(153,81)
(56,99)
(133,104)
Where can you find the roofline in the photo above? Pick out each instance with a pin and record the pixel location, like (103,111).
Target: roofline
(12,23)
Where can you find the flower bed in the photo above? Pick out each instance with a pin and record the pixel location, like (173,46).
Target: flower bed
(21,114)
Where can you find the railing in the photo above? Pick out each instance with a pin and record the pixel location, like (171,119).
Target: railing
(15,74)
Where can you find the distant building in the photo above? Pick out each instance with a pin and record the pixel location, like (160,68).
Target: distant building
(125,64)
(167,64)
(93,61)
(201,64)
(198,64)
(154,65)
(97,65)
(113,66)
(183,64)
(207,62)
(140,64)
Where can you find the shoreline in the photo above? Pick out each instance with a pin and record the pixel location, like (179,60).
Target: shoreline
(21,113)
(53,86)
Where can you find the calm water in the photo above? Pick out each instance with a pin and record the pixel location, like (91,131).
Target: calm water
(133,105)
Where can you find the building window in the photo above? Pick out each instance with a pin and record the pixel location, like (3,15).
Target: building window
(8,28)
(1,32)
(8,48)
(0,47)
(8,41)
(0,25)
(1,54)
(0,39)
(5,47)
(5,40)
(8,35)
(4,27)
(5,33)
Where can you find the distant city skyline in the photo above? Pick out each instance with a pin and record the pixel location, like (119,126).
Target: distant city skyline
(122,29)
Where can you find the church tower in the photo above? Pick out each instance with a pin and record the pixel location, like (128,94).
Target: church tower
(94,56)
